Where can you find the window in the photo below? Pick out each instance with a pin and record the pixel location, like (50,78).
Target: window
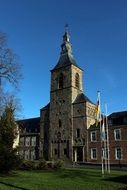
(93,136)
(21,141)
(33,141)
(77,80)
(27,141)
(27,156)
(60,84)
(65,151)
(78,133)
(117,134)
(93,153)
(118,153)
(60,123)
(55,151)
(32,155)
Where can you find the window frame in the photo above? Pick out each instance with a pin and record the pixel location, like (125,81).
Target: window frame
(117,152)
(116,135)
(92,153)
(91,136)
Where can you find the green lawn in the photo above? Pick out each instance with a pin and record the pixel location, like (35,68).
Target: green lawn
(65,179)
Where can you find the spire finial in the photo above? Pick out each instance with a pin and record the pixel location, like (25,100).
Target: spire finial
(66,28)
(66,37)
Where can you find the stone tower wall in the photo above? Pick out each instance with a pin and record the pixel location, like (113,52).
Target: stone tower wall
(61,110)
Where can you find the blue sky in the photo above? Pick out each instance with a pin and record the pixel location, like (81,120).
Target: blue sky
(98,31)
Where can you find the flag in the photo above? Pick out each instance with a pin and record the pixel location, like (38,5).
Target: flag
(103,131)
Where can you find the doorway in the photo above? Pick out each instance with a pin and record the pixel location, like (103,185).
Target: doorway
(79,154)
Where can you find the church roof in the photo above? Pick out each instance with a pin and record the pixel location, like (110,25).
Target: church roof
(82,98)
(46,107)
(65,60)
(66,55)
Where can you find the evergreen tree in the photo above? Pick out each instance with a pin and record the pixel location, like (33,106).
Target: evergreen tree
(8,133)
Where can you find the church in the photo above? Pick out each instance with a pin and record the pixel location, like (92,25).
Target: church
(66,128)
(65,120)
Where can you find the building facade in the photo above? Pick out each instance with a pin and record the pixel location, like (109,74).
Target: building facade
(67,127)
(29,130)
(117,134)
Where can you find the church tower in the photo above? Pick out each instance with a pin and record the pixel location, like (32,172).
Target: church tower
(66,119)
(66,85)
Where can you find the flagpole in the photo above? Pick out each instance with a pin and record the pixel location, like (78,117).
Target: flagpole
(104,141)
(102,164)
(107,139)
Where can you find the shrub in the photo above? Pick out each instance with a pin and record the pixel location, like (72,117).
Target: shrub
(58,164)
(42,165)
(27,165)
(50,165)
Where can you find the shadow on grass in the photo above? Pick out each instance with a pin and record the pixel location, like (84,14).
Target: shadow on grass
(119,179)
(10,185)
(73,174)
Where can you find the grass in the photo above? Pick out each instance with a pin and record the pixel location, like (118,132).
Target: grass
(64,179)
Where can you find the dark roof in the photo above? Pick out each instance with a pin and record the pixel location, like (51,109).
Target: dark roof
(46,107)
(118,118)
(65,60)
(118,114)
(82,98)
(31,125)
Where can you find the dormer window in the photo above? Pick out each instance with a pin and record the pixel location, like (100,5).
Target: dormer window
(77,80)
(60,82)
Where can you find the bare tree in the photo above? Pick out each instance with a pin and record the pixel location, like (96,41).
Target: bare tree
(9,66)
(10,70)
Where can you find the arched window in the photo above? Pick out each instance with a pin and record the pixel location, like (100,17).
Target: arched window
(60,82)
(60,123)
(77,80)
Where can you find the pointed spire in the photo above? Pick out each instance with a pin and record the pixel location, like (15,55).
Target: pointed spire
(66,36)
(66,47)
(66,56)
